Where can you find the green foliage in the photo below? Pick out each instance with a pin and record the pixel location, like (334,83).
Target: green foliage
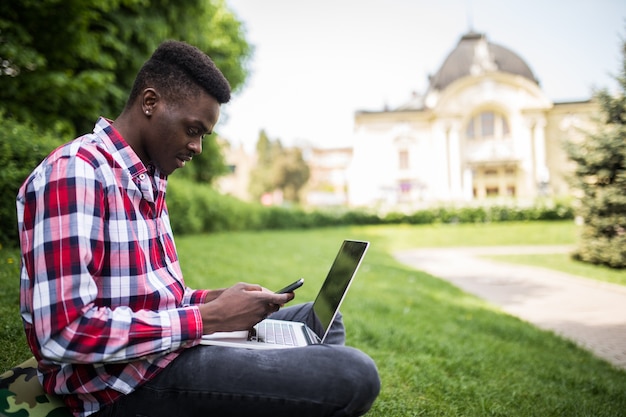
(260,177)
(486,214)
(198,208)
(278,168)
(71,61)
(600,176)
(290,173)
(22,148)
(207,166)
(63,63)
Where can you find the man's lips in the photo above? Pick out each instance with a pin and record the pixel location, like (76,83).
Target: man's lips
(183,160)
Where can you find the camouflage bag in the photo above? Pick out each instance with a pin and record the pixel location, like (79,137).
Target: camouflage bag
(21,394)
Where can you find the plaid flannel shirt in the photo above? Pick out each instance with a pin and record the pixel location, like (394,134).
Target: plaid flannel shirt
(103,300)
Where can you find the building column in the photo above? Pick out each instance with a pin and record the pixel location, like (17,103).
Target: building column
(526,143)
(468,184)
(541,174)
(455,174)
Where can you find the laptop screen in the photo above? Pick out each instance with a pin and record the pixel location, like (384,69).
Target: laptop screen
(338,281)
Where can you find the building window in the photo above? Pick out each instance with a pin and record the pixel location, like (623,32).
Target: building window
(491,172)
(403,159)
(488,125)
(510,191)
(491,191)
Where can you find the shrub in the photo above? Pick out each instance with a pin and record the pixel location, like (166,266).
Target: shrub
(198,208)
(22,148)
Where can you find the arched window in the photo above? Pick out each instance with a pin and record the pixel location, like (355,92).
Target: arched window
(487,125)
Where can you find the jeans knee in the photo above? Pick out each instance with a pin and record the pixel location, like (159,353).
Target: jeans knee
(361,375)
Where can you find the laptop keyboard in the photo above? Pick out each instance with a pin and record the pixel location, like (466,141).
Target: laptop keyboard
(275,333)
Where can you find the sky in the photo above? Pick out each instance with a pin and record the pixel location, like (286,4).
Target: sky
(317,62)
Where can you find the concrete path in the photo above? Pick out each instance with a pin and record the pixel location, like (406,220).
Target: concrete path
(591,313)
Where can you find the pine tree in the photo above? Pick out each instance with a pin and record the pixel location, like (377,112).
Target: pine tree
(600,175)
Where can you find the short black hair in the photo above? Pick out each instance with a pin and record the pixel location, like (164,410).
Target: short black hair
(177,69)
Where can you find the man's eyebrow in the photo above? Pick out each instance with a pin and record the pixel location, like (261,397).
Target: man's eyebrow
(202,125)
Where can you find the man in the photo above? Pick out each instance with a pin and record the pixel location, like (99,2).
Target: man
(107,314)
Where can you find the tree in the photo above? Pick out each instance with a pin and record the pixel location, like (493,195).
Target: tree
(290,174)
(65,62)
(22,147)
(278,169)
(600,175)
(260,177)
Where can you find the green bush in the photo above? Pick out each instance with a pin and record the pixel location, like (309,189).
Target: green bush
(422,217)
(22,148)
(197,208)
(558,211)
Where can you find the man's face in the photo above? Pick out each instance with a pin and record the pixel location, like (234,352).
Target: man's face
(175,133)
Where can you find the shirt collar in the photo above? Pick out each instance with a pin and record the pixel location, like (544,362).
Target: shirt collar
(118,147)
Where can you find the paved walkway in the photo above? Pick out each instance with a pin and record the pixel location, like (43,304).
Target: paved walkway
(591,313)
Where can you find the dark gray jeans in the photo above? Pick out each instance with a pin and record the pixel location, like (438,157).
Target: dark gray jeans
(320,380)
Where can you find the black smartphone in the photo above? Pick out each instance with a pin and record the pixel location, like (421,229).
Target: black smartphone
(291,287)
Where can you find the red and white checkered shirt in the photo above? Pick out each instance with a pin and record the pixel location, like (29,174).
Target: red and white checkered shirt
(103,299)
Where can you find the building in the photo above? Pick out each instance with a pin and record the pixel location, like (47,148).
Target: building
(327,185)
(240,164)
(483,131)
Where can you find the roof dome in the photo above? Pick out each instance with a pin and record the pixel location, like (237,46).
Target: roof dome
(474,55)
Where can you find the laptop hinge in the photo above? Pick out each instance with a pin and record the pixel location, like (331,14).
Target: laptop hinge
(311,337)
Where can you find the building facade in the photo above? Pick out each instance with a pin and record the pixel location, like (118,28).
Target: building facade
(328,183)
(483,131)
(240,165)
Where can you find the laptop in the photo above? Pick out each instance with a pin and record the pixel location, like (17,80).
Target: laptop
(282,334)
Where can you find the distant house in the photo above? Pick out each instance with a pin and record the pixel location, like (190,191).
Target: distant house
(327,185)
(240,164)
(483,131)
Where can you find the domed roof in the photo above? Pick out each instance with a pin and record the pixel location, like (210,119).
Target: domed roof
(474,55)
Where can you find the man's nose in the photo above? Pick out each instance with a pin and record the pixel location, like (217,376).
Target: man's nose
(195,146)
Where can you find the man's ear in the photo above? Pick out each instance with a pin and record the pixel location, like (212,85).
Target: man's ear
(149,100)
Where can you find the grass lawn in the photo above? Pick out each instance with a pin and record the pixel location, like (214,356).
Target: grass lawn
(563,262)
(447,354)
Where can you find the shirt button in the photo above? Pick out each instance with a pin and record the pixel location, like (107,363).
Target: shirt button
(142,177)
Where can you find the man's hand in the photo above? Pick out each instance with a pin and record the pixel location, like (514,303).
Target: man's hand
(240,307)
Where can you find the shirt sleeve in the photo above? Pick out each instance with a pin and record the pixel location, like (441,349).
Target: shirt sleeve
(194,297)
(63,246)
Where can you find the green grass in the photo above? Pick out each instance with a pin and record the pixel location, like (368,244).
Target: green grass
(12,339)
(482,234)
(563,262)
(447,354)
